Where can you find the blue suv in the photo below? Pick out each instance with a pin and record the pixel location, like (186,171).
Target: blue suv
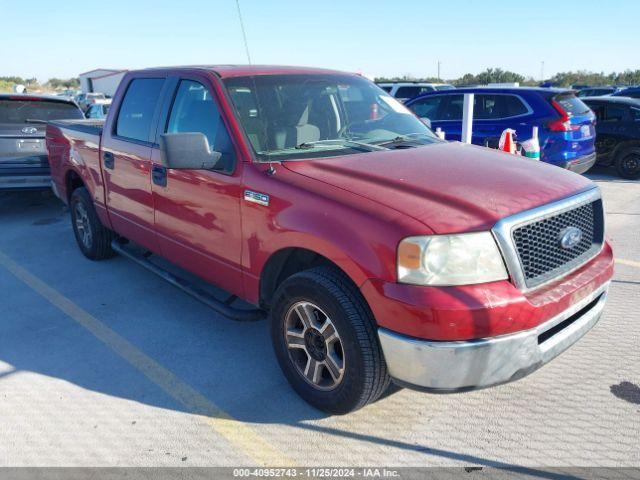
(633,92)
(566,124)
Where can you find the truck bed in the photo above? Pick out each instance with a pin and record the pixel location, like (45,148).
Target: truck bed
(75,142)
(90,126)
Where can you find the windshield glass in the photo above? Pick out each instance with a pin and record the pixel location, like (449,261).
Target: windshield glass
(23,111)
(288,117)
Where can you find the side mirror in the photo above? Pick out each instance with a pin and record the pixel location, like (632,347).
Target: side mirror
(187,151)
(426,121)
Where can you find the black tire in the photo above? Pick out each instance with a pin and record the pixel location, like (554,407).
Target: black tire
(364,376)
(98,246)
(627,164)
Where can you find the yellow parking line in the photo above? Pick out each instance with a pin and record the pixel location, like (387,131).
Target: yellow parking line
(237,433)
(630,263)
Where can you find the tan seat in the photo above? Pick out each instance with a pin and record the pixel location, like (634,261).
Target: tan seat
(302,132)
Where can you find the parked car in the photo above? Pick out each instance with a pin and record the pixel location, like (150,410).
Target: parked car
(380,251)
(633,92)
(566,125)
(99,109)
(68,94)
(618,133)
(403,91)
(23,157)
(579,86)
(85,100)
(596,91)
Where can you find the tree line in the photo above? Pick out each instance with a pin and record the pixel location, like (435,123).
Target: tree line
(7,83)
(561,79)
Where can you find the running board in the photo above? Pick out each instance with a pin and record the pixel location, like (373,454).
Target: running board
(222,307)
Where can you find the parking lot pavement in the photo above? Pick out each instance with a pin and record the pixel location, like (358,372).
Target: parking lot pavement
(104,364)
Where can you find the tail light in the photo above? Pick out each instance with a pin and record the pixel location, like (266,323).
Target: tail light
(563,124)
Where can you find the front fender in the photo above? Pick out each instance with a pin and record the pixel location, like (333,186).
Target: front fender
(357,234)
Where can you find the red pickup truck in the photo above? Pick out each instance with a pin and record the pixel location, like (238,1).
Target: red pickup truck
(379,251)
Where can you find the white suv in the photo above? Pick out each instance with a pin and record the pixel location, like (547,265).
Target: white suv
(405,90)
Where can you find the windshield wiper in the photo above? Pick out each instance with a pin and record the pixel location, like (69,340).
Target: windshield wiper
(341,142)
(406,138)
(35,120)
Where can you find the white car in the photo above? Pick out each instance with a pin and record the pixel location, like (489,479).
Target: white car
(98,109)
(405,90)
(85,100)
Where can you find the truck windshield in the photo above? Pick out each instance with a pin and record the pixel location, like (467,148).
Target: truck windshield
(34,111)
(287,117)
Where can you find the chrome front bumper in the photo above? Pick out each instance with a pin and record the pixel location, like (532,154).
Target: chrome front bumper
(473,364)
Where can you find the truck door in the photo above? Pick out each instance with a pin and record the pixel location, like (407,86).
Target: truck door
(126,161)
(197,212)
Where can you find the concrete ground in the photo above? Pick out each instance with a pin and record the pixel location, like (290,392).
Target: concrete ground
(105,364)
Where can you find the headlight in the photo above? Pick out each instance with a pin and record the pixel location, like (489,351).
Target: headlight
(462,259)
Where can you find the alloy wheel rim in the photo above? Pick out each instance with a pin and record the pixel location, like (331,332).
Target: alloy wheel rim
(83,227)
(631,163)
(314,345)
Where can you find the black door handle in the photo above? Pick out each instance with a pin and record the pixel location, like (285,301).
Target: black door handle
(159,175)
(109,160)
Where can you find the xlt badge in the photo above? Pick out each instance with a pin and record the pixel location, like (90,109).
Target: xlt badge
(256,197)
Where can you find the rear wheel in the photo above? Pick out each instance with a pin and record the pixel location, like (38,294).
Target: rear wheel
(93,238)
(326,343)
(628,164)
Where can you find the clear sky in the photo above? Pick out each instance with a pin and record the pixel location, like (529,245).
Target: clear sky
(45,39)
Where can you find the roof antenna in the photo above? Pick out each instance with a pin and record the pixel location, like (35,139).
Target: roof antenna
(244,35)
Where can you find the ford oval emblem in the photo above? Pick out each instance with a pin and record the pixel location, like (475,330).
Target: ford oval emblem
(570,237)
(30,130)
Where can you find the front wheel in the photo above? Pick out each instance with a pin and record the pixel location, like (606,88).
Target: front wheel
(628,164)
(93,238)
(326,343)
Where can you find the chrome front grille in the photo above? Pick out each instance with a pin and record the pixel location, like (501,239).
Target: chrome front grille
(539,248)
(532,241)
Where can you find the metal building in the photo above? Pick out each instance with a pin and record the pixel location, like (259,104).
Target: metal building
(101,80)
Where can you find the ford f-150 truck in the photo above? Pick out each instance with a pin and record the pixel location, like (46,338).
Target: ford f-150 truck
(379,251)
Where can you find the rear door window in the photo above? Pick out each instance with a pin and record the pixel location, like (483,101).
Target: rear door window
(614,113)
(138,107)
(427,107)
(453,107)
(195,110)
(497,106)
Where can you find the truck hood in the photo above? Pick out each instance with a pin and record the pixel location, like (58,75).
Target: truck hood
(449,187)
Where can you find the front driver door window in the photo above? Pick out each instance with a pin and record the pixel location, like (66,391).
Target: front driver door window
(195,110)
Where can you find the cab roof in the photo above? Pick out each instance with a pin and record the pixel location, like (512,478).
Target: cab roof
(228,71)
(488,89)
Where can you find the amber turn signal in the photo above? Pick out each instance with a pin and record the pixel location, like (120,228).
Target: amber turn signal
(409,255)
